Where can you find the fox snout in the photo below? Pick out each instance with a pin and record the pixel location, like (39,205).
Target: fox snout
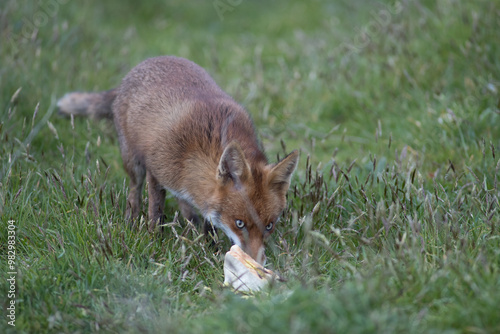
(257,253)
(247,236)
(253,247)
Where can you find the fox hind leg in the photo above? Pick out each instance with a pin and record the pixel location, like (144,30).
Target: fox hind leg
(134,198)
(136,171)
(133,163)
(156,202)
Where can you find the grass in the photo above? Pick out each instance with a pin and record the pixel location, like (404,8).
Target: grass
(393,216)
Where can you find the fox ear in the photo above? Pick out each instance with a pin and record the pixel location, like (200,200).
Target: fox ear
(232,165)
(282,172)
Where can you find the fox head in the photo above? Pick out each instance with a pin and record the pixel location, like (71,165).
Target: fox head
(250,198)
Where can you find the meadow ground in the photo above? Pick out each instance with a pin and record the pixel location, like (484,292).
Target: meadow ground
(393,217)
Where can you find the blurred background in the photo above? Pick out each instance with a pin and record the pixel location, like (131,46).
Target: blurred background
(344,77)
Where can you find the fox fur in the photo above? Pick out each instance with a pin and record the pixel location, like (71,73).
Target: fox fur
(182,133)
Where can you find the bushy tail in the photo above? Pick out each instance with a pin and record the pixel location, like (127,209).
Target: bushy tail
(94,105)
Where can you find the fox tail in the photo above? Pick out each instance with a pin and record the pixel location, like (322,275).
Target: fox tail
(94,105)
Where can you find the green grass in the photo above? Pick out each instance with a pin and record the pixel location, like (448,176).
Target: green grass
(393,218)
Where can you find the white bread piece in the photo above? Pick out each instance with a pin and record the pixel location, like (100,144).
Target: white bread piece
(243,273)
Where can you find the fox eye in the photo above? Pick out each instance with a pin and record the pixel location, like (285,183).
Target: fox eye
(269,226)
(240,224)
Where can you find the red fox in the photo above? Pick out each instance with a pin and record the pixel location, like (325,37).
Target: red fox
(181,132)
